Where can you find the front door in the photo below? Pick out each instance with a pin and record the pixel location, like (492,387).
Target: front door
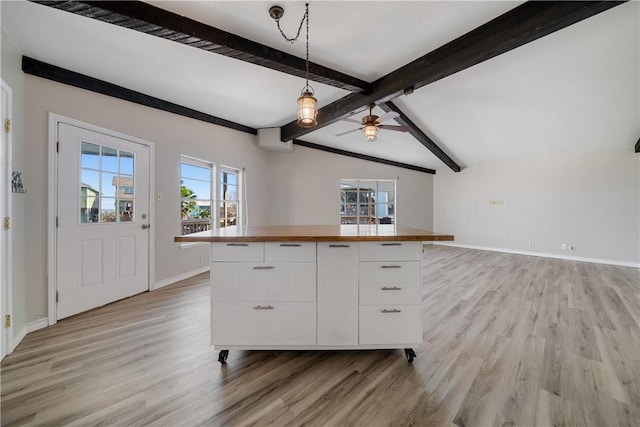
(102,219)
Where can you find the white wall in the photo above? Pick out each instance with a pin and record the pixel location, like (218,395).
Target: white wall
(172,135)
(305,188)
(589,201)
(12,75)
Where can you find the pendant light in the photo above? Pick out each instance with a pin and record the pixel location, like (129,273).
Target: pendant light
(307,103)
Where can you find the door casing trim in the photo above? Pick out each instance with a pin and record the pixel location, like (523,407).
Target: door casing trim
(7,272)
(52,203)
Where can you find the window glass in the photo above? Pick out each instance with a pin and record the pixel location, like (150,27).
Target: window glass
(195,195)
(367,201)
(228,193)
(106,184)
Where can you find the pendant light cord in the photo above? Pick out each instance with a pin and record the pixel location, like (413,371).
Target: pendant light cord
(306,15)
(295,39)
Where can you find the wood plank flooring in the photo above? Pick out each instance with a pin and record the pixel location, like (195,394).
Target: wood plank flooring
(508,340)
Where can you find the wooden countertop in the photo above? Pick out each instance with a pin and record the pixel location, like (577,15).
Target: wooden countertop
(315,233)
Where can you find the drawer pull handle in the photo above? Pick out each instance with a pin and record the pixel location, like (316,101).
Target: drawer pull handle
(338,246)
(395,310)
(263,307)
(263,267)
(394,288)
(391,244)
(391,266)
(290,245)
(237,244)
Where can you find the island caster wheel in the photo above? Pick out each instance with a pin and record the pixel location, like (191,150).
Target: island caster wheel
(410,354)
(222,357)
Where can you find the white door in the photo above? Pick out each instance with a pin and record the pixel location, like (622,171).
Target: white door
(5,246)
(103,219)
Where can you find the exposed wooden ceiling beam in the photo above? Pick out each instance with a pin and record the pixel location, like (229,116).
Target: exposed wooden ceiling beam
(362,156)
(418,134)
(152,20)
(57,74)
(519,26)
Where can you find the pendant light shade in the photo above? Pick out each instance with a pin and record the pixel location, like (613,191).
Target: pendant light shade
(370,132)
(307,110)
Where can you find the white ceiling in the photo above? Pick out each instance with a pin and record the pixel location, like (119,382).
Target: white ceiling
(576,90)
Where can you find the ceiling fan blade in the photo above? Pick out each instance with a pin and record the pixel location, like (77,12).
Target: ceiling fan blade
(388,116)
(349,131)
(351,121)
(396,128)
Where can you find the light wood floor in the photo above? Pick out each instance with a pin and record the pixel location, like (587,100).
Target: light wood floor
(509,340)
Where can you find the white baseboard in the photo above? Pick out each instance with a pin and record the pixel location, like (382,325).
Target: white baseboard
(28,328)
(171,280)
(545,255)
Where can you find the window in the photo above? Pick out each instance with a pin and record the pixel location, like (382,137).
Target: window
(196,185)
(229,202)
(104,175)
(367,201)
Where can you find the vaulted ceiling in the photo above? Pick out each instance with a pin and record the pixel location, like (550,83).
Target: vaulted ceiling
(532,83)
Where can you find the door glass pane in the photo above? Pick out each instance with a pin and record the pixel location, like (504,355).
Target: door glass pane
(125,210)
(90,156)
(126,163)
(109,159)
(108,209)
(109,184)
(106,184)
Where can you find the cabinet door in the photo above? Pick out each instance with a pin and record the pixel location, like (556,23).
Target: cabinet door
(263,323)
(290,252)
(237,252)
(390,251)
(390,324)
(278,281)
(337,293)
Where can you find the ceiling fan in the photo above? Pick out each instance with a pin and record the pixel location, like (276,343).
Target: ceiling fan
(371,124)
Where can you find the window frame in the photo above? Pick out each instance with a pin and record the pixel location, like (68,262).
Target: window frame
(221,198)
(373,185)
(194,161)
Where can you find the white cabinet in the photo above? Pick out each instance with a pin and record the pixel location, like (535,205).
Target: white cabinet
(316,295)
(258,299)
(390,293)
(338,293)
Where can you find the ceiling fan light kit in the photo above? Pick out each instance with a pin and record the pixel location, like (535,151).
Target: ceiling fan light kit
(307,103)
(372,123)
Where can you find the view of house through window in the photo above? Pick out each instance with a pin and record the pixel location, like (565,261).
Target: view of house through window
(106,184)
(201,190)
(229,205)
(367,201)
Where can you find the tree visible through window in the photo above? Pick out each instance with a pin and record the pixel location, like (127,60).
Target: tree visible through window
(367,201)
(196,195)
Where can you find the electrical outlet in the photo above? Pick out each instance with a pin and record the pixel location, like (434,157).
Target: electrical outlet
(563,246)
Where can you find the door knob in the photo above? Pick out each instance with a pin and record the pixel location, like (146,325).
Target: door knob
(145,226)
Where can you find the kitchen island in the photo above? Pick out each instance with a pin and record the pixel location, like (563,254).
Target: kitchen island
(329,287)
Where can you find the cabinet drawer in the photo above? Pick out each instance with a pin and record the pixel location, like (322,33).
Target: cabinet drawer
(290,252)
(390,272)
(390,251)
(239,281)
(385,293)
(390,324)
(263,323)
(242,252)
